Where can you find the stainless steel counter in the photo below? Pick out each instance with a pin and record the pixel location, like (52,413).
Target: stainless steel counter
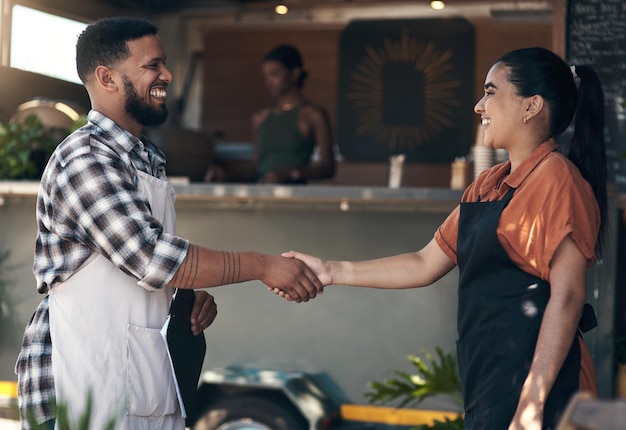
(308,197)
(305,197)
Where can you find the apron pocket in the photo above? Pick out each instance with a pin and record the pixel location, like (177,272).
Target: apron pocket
(150,383)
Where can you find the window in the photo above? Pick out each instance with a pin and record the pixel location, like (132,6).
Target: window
(44,43)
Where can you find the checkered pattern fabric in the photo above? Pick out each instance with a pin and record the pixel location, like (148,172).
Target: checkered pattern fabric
(89,202)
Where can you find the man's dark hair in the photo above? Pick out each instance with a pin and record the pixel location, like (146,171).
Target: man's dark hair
(104,42)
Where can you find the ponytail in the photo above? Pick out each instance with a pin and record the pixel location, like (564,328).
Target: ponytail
(586,149)
(540,71)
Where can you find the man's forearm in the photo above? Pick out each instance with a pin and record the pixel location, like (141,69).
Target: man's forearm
(205,268)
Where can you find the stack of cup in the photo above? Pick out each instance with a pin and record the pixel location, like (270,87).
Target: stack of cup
(483,159)
(483,156)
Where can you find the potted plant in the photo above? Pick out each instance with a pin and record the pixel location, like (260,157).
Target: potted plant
(438,377)
(25,147)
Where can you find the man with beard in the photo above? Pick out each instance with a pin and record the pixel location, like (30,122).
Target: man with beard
(106,254)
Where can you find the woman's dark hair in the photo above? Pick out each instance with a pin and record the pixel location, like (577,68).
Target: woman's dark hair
(538,71)
(289,57)
(104,42)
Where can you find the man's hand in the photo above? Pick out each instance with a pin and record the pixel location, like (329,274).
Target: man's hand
(203,312)
(292,277)
(318,266)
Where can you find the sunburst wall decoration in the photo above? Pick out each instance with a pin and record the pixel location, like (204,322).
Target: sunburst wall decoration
(405,87)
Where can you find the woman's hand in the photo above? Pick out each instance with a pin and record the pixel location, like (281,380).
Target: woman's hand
(277,176)
(320,267)
(269,178)
(215,173)
(528,416)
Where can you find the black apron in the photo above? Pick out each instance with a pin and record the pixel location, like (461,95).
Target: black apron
(500,313)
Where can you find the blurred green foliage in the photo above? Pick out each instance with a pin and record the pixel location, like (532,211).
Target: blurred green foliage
(63,421)
(25,147)
(433,376)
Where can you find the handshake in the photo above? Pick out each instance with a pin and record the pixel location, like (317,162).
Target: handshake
(297,277)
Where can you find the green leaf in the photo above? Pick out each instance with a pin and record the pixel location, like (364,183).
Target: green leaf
(432,375)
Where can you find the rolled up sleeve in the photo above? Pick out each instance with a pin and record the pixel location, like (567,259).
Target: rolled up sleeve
(169,253)
(104,212)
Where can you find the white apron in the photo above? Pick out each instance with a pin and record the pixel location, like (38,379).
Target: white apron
(106,338)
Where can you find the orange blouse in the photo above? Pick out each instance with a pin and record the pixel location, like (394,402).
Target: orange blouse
(551,201)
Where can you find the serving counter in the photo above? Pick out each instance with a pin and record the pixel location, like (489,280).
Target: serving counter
(353,335)
(342,198)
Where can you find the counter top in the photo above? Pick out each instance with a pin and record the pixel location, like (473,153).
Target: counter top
(19,188)
(254,196)
(343,198)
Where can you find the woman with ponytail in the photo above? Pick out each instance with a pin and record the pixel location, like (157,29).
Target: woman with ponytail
(524,236)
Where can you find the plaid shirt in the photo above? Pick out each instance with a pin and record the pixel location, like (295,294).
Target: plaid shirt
(89,202)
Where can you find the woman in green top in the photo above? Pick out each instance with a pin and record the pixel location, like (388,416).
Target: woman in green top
(287,133)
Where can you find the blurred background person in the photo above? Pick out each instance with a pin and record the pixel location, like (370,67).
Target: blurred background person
(286,134)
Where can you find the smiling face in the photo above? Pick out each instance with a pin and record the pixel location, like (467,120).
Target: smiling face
(145,79)
(501,110)
(145,113)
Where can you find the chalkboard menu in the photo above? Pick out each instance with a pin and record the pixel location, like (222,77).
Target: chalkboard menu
(596,35)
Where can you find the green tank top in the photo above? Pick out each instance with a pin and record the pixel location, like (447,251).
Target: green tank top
(281,144)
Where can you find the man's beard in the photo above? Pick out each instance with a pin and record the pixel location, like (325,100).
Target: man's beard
(145,114)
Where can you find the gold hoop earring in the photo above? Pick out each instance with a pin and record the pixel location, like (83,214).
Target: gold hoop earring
(525,120)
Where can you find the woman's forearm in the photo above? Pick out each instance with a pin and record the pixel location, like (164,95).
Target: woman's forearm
(557,332)
(558,329)
(411,270)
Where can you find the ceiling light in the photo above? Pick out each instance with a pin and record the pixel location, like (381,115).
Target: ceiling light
(281,9)
(437,5)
